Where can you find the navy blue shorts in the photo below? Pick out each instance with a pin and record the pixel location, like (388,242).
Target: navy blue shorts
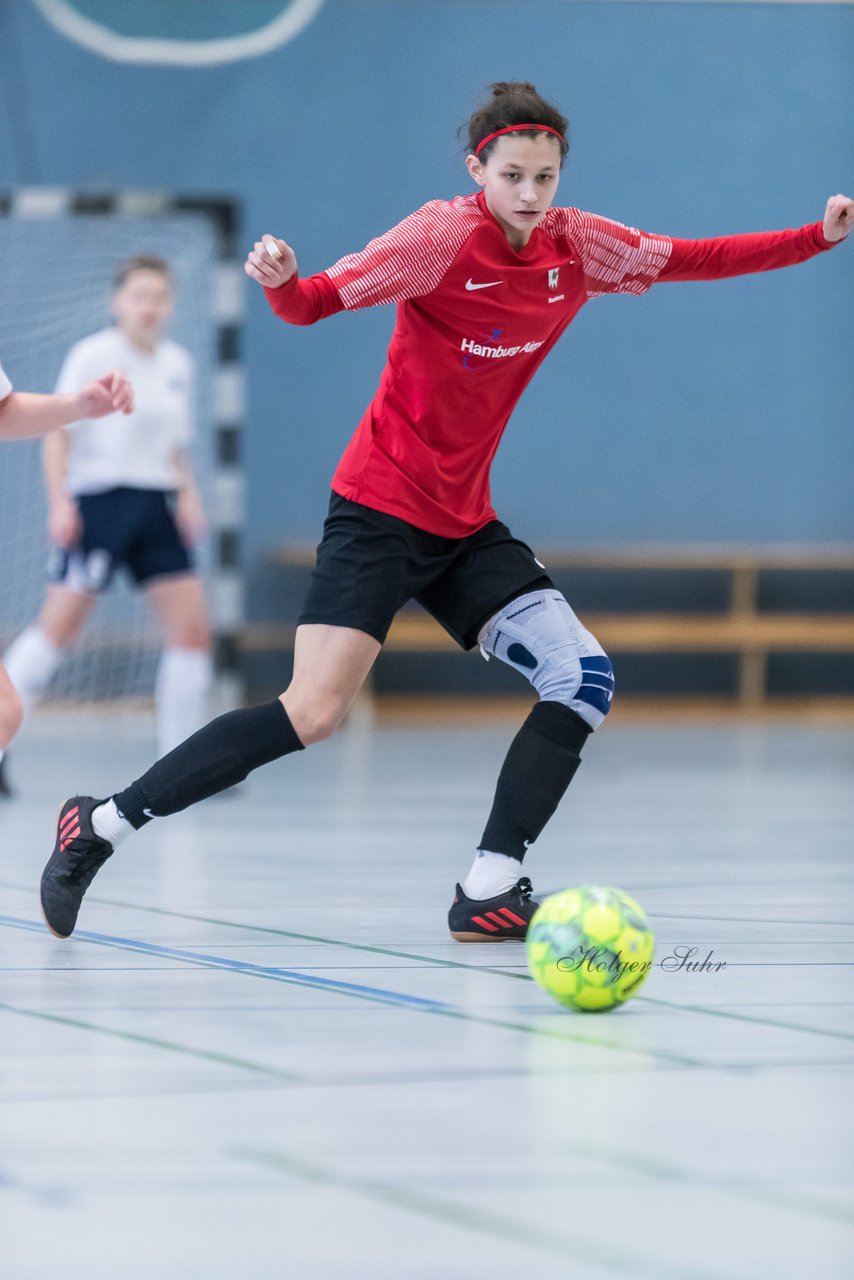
(122,528)
(370,564)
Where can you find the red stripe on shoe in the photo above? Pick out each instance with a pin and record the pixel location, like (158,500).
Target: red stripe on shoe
(504,925)
(511,915)
(484,924)
(69,817)
(72,835)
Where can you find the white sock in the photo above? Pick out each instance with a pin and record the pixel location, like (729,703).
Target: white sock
(109,824)
(491,874)
(31,662)
(184,678)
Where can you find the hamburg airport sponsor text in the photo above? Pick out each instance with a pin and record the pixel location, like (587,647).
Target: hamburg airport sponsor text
(496,353)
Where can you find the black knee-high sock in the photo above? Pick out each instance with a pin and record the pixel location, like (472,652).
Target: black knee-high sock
(539,766)
(218,756)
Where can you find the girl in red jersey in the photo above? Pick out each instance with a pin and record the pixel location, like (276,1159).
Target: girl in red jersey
(484,285)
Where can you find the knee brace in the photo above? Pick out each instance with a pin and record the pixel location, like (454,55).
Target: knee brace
(541,637)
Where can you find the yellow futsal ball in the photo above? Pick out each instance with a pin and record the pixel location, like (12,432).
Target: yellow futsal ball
(590,948)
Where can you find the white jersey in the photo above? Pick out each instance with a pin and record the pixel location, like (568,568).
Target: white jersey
(5,384)
(132,450)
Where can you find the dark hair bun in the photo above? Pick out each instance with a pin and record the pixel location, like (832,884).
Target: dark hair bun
(505,88)
(513,102)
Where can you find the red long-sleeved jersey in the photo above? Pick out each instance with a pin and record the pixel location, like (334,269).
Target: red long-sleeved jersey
(475,318)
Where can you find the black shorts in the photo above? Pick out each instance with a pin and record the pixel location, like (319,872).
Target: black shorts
(134,528)
(370,564)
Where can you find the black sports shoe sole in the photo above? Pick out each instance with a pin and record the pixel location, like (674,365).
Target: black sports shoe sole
(483,937)
(48,924)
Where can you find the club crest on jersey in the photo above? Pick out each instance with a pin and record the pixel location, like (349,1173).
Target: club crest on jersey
(553,275)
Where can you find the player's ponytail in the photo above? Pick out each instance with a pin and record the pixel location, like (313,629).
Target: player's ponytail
(514,102)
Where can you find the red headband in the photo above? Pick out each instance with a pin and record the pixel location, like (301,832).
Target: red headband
(517,128)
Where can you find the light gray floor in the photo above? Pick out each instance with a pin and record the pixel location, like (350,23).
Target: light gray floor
(262,1056)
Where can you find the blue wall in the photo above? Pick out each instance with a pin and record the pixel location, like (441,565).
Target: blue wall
(702,411)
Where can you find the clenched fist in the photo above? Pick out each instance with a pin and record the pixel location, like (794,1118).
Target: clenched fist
(110,394)
(838,218)
(271,262)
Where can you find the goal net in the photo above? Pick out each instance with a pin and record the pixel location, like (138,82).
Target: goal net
(55,279)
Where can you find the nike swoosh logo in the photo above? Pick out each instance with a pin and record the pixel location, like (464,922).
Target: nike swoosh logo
(490,284)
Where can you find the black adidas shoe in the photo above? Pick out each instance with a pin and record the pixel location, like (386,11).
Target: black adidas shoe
(77,855)
(492,919)
(7,791)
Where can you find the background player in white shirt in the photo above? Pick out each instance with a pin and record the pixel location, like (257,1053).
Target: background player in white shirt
(121,494)
(23,415)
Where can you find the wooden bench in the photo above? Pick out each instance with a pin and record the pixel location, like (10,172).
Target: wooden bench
(741,629)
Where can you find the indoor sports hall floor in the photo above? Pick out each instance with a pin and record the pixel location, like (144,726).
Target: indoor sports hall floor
(262,1056)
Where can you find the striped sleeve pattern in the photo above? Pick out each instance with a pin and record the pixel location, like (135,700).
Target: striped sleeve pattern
(616,259)
(410,260)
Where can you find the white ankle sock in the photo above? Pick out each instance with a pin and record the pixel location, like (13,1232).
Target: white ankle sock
(184,678)
(109,824)
(31,662)
(491,874)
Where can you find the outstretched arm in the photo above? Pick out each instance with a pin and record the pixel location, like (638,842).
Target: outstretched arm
(621,259)
(724,256)
(24,414)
